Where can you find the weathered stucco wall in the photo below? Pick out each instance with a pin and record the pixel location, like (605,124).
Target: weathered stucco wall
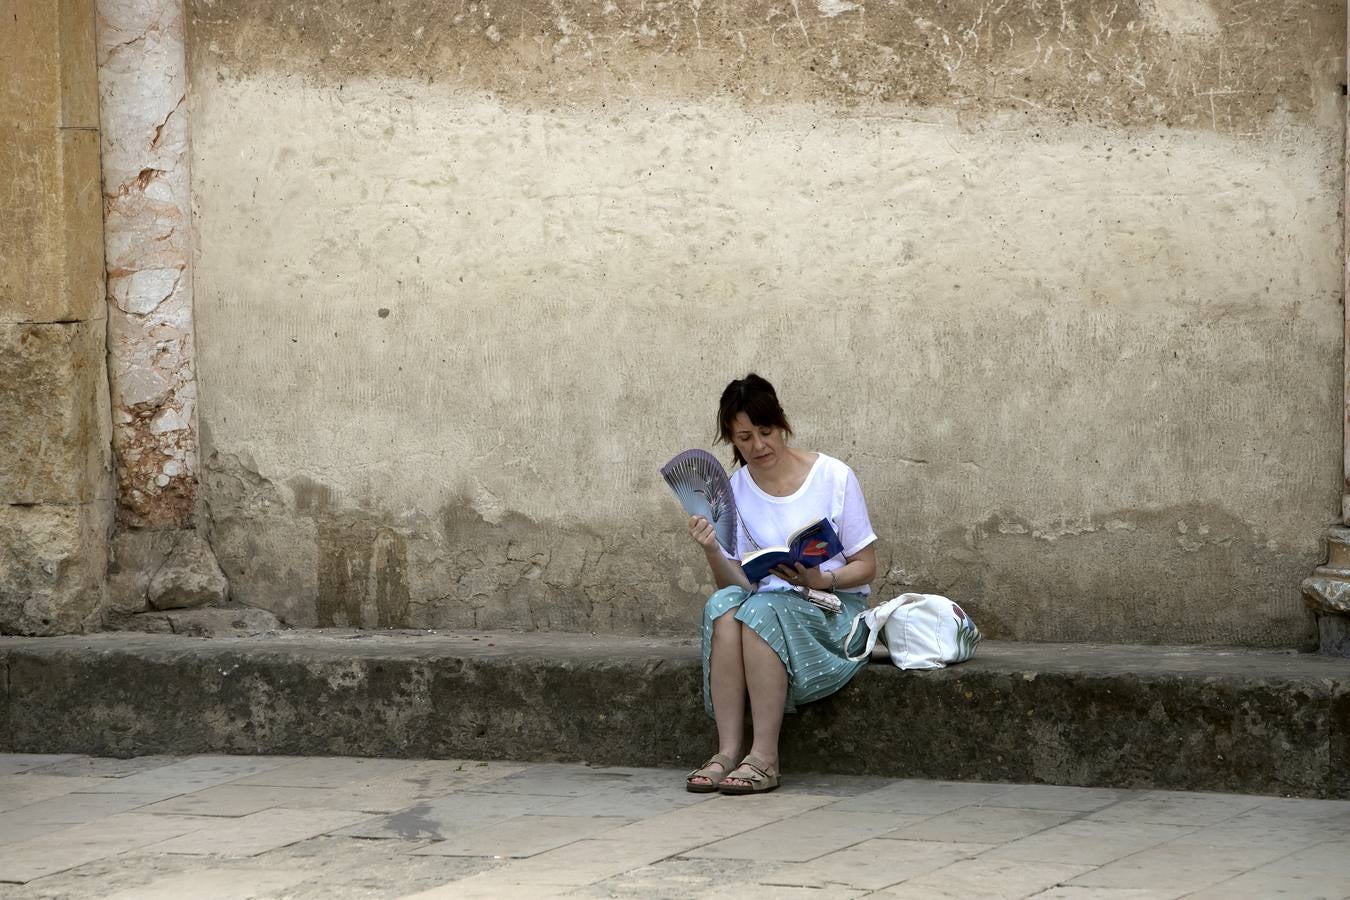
(1060,280)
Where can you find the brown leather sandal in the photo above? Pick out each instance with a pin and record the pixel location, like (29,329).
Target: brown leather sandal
(714,776)
(759,777)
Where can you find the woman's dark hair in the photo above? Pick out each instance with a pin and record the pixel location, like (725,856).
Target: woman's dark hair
(755,397)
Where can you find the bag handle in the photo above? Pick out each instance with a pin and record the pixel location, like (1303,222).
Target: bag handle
(876,619)
(873,631)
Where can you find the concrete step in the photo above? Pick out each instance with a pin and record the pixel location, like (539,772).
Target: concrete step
(1188,718)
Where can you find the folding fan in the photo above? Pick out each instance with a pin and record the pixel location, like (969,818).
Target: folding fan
(702,486)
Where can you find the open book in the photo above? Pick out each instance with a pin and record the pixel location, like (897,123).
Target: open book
(809,545)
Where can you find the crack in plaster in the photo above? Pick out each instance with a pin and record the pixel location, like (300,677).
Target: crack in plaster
(159,129)
(155,25)
(108,53)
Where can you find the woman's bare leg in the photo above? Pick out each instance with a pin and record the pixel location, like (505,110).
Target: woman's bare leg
(726,683)
(767,681)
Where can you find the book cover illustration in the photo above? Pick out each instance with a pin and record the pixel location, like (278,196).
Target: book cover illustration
(809,545)
(703,489)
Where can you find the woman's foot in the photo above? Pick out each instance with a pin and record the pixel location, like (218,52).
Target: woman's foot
(706,779)
(754,775)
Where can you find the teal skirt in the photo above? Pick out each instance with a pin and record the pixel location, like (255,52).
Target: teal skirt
(808,640)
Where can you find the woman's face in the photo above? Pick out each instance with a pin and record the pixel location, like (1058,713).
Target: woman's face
(761,445)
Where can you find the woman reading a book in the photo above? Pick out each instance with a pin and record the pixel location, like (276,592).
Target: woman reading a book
(764,640)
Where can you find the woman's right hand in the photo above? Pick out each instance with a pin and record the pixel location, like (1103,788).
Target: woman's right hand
(725,571)
(701,530)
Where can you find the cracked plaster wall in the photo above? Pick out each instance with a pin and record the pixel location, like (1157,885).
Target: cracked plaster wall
(1060,280)
(142,85)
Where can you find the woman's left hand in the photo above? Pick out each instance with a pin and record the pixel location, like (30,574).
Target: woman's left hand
(799,575)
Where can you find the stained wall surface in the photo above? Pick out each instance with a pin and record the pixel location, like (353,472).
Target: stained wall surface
(1059,280)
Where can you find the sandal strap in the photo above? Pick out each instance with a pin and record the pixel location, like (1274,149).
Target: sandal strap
(755,765)
(720,759)
(726,762)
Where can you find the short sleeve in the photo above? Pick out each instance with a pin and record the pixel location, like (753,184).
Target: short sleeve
(855,528)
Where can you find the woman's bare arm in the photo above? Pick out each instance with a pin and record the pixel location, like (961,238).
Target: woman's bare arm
(859,569)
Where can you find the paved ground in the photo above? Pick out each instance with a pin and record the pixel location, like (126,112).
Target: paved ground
(237,827)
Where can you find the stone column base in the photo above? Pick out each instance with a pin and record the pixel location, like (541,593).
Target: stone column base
(1327,594)
(161,569)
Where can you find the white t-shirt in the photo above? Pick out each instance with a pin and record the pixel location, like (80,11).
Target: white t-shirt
(830,491)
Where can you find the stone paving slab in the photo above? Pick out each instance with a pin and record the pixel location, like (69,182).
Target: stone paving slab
(994,879)
(779,892)
(79,844)
(442,817)
(523,836)
(1070,892)
(28,788)
(215,884)
(423,780)
(1188,870)
(1176,808)
(259,832)
(397,788)
(716,818)
(578,864)
(1088,842)
(925,798)
(187,775)
(15,763)
(74,808)
(501,834)
(234,800)
(983,824)
(874,864)
(614,801)
(102,767)
(1318,871)
(1208,857)
(806,835)
(575,781)
(324,772)
(1049,796)
(13,832)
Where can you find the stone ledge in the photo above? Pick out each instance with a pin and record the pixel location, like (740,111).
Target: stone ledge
(1126,716)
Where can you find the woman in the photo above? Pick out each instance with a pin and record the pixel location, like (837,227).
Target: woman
(766,639)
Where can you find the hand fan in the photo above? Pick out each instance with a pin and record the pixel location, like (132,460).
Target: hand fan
(702,486)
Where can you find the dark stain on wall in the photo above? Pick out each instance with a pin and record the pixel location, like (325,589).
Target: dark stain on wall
(363,575)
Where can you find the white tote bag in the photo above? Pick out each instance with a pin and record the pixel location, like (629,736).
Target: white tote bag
(921,631)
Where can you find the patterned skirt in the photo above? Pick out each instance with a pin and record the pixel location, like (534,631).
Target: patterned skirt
(808,640)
